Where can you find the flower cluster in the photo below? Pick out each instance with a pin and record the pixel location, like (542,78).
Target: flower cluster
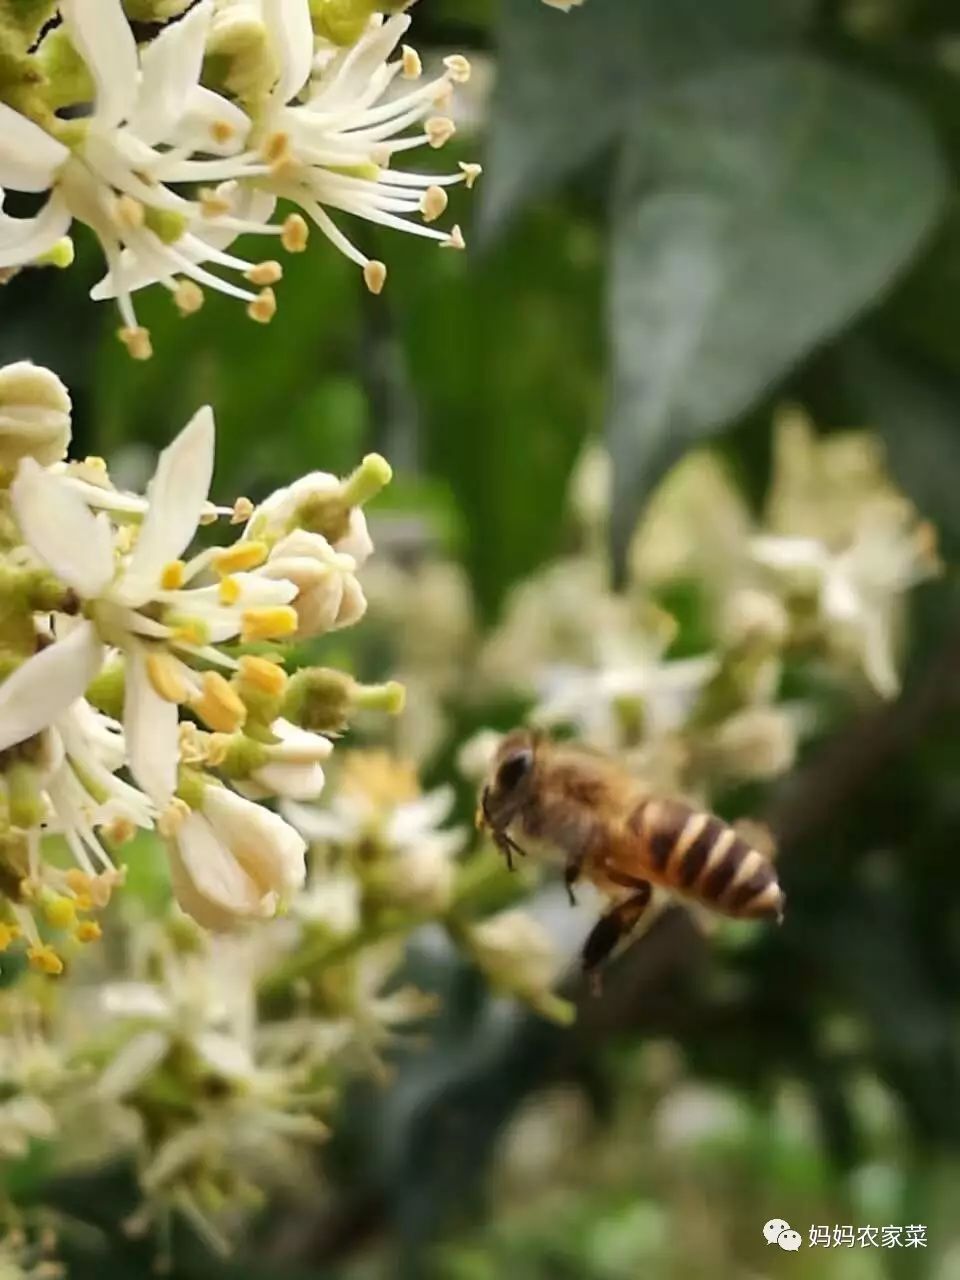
(143,690)
(171,149)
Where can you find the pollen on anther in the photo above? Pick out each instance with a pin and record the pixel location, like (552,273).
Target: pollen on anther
(88,931)
(295,233)
(173,575)
(214,203)
(268,623)
(137,341)
(375,276)
(411,64)
(242,511)
(241,556)
(276,150)
(222,131)
(188,297)
(219,705)
(45,960)
(264,307)
(165,675)
(439,130)
(129,213)
(433,203)
(264,674)
(228,591)
(264,273)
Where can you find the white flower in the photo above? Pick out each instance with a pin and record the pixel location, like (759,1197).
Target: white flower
(148,109)
(48,684)
(516,953)
(327,142)
(293,766)
(860,588)
(141,599)
(233,860)
(34,415)
(286,510)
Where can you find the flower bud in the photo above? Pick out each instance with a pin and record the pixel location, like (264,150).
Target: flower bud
(422,878)
(34,415)
(238,57)
(328,594)
(322,699)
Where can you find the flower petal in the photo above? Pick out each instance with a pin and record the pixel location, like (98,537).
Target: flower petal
(170,71)
(291,31)
(177,494)
(47,684)
(101,35)
(268,849)
(150,730)
(129,1067)
(61,530)
(202,125)
(23,240)
(29,157)
(208,881)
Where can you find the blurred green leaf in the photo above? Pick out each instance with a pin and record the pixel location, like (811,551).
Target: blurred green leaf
(567,86)
(763,207)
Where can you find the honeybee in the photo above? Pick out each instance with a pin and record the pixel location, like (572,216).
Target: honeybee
(618,835)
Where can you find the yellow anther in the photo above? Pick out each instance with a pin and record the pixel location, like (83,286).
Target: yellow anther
(295,233)
(137,342)
(119,830)
(221,131)
(411,64)
(166,675)
(78,880)
(268,623)
(88,931)
(471,172)
(264,674)
(242,511)
(458,67)
(439,130)
(83,902)
(59,911)
(375,276)
(454,240)
(95,462)
(219,705)
(188,297)
(241,556)
(173,575)
(268,272)
(8,934)
(45,960)
(229,590)
(433,203)
(276,149)
(128,213)
(172,818)
(263,308)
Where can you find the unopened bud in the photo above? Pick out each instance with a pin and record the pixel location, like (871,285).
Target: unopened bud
(34,415)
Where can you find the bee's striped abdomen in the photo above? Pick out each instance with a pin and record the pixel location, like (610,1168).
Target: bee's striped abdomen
(702,856)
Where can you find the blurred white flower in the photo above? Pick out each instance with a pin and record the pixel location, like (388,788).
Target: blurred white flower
(517,954)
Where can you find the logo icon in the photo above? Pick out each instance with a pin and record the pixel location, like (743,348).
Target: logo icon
(778,1231)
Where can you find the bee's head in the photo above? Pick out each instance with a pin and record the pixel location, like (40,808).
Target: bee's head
(511,779)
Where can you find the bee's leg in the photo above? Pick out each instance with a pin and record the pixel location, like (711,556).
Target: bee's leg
(613,926)
(571,874)
(508,847)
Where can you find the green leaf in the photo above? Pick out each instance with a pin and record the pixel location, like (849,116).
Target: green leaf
(569,84)
(763,208)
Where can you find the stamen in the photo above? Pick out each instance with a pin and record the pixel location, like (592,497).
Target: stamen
(264,307)
(119,831)
(242,511)
(219,706)
(459,67)
(214,203)
(264,674)
(45,960)
(471,172)
(455,239)
(433,203)
(268,623)
(137,341)
(188,297)
(129,214)
(295,233)
(164,673)
(276,151)
(241,556)
(411,63)
(173,575)
(59,911)
(264,273)
(222,131)
(9,933)
(229,590)
(375,276)
(439,130)
(88,931)
(172,818)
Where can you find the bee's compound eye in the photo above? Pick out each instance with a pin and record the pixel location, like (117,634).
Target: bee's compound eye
(514,769)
